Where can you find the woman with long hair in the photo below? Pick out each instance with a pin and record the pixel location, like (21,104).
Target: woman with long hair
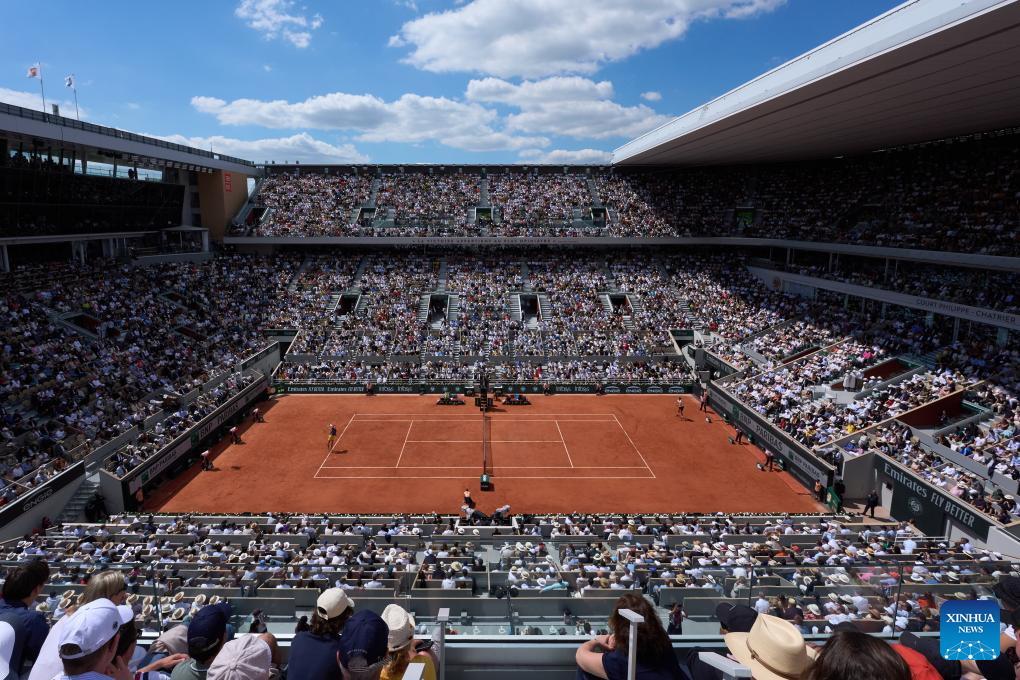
(606,656)
(109,584)
(852,655)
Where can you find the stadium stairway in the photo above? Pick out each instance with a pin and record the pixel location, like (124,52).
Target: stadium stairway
(442,275)
(452,307)
(373,192)
(423,309)
(606,304)
(305,264)
(74,511)
(544,307)
(637,307)
(483,193)
(596,202)
(359,272)
(525,276)
(514,305)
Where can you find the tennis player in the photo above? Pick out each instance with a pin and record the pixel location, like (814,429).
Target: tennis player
(332,437)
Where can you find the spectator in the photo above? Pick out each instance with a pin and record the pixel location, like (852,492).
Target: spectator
(207,634)
(403,648)
(248,657)
(313,653)
(362,654)
(20,590)
(773,649)
(105,585)
(88,644)
(852,655)
(655,657)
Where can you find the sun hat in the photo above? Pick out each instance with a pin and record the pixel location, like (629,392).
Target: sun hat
(332,603)
(245,658)
(400,624)
(773,649)
(93,625)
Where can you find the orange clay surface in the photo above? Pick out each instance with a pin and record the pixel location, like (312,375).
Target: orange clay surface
(564,453)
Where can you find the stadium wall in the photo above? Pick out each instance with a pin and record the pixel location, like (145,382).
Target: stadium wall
(25,514)
(222,194)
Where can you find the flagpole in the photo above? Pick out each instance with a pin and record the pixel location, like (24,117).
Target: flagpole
(41,90)
(75,90)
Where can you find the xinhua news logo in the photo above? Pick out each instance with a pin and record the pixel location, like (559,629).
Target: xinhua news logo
(969,630)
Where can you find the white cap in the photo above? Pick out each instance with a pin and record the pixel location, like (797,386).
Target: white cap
(92,626)
(401,625)
(332,603)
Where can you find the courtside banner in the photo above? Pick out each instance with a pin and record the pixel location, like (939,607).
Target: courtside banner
(969,629)
(284,387)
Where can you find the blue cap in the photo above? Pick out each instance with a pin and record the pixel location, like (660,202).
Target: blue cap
(364,635)
(207,628)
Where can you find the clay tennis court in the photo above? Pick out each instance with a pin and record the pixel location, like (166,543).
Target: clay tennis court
(563,453)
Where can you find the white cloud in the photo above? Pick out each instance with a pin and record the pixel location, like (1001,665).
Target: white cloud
(134,106)
(571,106)
(534,38)
(411,118)
(267,68)
(300,147)
(566,157)
(32,100)
(652,96)
(277,19)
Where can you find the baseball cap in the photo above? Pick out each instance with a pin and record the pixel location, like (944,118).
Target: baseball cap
(364,638)
(332,603)
(400,624)
(245,658)
(736,618)
(207,628)
(91,627)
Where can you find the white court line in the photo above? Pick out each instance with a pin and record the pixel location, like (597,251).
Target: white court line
(330,452)
(479,440)
(635,446)
(475,420)
(457,415)
(498,467)
(564,442)
(605,479)
(405,444)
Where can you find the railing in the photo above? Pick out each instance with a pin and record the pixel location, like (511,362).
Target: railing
(32,114)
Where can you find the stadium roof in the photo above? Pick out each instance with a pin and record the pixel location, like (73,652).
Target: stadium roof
(927,69)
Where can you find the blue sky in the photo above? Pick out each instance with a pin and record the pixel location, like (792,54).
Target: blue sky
(415,81)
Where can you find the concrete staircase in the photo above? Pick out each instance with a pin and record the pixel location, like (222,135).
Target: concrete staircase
(453,307)
(525,276)
(596,201)
(305,264)
(423,308)
(483,193)
(442,275)
(514,304)
(359,272)
(75,508)
(374,192)
(606,304)
(544,307)
(637,307)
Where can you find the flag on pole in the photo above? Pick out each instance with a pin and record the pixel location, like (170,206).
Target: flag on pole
(33,71)
(69,81)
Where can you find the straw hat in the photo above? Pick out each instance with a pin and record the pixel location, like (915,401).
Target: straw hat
(200,599)
(178,614)
(774,649)
(178,596)
(215,599)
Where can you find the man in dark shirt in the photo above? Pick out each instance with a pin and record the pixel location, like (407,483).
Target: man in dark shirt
(21,588)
